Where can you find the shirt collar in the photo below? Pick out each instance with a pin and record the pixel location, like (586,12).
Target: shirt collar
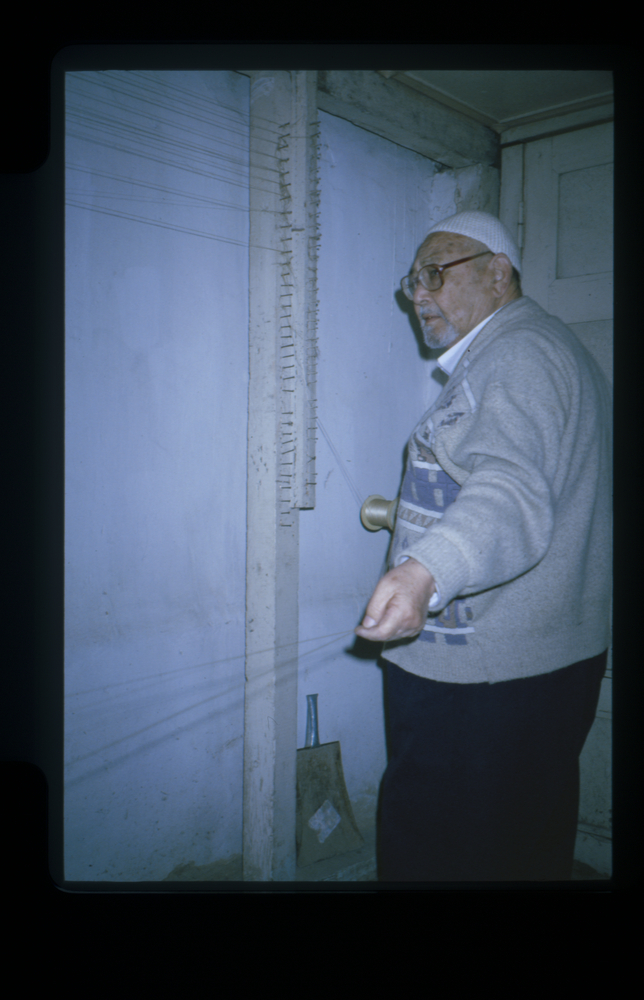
(449,360)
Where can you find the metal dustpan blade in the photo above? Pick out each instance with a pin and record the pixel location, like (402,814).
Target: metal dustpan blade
(325,823)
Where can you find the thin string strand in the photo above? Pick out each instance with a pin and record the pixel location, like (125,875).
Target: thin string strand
(214,663)
(158,722)
(341,464)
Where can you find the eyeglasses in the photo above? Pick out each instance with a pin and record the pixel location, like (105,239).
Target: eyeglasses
(431,276)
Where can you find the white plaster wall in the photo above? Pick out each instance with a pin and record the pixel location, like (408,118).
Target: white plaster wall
(374,382)
(156,411)
(156,400)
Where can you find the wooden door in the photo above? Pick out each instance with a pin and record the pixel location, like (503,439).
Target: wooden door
(568,233)
(558,192)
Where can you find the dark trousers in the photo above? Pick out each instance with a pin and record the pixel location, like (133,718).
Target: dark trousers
(482,781)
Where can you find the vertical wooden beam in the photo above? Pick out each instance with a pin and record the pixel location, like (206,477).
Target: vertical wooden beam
(511,200)
(281,394)
(540,200)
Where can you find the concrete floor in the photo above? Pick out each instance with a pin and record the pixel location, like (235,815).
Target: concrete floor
(355,866)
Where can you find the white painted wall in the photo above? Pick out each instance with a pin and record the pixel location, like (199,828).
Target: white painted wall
(156,407)
(378,201)
(157,327)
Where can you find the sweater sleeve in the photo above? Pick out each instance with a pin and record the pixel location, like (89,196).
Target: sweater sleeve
(505,454)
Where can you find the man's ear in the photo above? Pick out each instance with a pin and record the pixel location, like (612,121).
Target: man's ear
(502,273)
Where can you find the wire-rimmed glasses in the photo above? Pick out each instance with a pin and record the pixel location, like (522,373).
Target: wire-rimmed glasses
(431,276)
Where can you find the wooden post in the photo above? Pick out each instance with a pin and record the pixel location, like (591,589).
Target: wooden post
(280,454)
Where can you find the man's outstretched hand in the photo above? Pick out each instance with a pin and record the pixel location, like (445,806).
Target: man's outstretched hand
(398,605)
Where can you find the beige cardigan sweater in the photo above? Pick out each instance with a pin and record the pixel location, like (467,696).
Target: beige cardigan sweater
(520,441)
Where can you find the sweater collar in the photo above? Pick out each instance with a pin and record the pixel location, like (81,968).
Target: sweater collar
(449,360)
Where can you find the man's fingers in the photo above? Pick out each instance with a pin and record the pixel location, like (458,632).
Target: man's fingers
(396,622)
(377,606)
(398,606)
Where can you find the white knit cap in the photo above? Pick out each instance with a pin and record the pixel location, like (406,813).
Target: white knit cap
(486,229)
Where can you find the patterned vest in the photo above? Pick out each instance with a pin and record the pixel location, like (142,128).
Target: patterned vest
(427,491)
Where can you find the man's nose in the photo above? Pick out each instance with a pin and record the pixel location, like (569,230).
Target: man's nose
(421,294)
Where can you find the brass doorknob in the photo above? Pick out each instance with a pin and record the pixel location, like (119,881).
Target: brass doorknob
(377,513)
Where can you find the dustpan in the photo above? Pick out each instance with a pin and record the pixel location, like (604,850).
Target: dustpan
(325,824)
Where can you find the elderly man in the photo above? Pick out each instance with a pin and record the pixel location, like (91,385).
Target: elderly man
(495,611)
